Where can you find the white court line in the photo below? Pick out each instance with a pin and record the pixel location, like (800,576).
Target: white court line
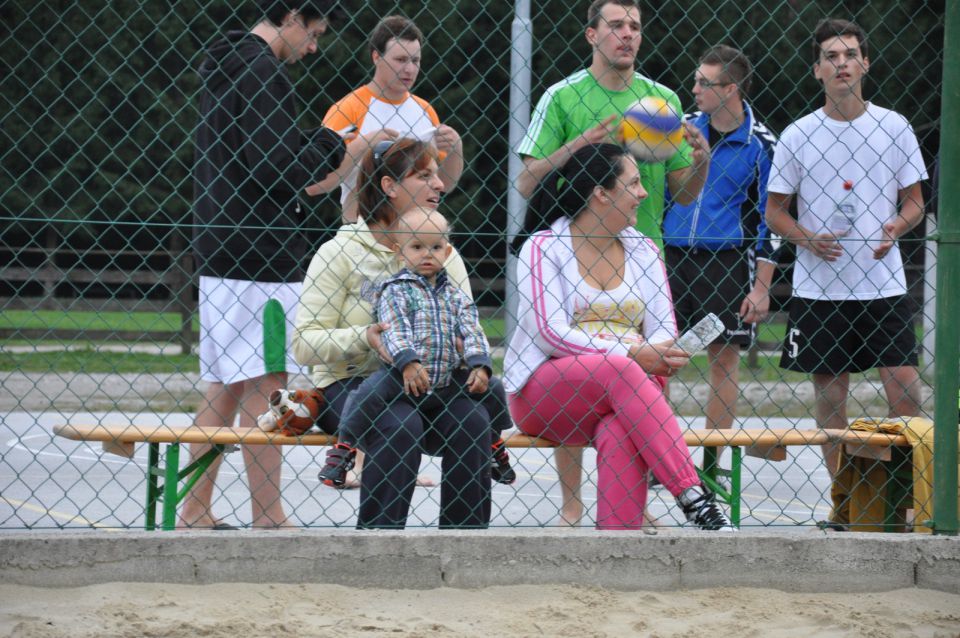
(69,518)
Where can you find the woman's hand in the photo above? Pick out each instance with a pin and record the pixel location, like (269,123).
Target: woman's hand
(661,359)
(478,381)
(376,343)
(415,379)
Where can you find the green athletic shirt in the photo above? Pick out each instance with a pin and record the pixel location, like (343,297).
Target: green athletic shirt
(570,107)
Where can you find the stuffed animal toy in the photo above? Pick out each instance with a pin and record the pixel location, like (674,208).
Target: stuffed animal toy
(292,412)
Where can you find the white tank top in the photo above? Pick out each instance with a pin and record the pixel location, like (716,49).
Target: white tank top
(611,314)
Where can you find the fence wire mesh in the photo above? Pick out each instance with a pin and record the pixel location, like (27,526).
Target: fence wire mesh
(112,215)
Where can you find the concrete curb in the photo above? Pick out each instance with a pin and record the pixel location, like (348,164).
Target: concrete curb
(673,559)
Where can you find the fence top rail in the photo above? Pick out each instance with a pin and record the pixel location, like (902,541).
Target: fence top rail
(133,433)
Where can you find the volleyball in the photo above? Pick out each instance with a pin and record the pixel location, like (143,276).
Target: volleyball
(652,130)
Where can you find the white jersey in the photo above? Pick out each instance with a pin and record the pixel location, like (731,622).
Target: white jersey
(879,154)
(412,117)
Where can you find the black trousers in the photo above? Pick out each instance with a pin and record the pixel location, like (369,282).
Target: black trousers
(448,423)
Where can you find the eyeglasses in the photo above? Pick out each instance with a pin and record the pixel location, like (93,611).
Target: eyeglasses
(704,83)
(380,149)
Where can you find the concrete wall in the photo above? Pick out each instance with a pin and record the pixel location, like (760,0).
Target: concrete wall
(672,559)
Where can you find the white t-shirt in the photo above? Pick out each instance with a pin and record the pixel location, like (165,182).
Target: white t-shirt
(879,154)
(615,314)
(412,117)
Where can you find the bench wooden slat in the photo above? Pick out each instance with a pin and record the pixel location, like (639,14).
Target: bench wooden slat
(758,437)
(185,434)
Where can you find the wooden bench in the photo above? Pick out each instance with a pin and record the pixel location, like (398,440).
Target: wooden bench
(764,443)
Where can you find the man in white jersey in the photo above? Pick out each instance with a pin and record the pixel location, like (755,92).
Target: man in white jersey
(856,170)
(586,108)
(385,107)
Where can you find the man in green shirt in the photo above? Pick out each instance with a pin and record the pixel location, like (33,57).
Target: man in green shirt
(586,108)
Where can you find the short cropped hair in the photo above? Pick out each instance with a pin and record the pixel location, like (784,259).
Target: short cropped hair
(593,13)
(736,66)
(836,27)
(276,10)
(392,27)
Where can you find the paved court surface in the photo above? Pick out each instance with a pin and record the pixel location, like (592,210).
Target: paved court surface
(48,482)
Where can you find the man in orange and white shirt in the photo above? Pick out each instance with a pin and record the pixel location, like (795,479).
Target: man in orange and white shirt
(384,108)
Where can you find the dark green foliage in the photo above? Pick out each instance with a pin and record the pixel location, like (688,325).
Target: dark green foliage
(98,98)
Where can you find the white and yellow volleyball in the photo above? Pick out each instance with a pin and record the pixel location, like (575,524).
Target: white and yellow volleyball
(652,130)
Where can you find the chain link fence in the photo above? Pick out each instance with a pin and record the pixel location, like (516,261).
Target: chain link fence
(100,287)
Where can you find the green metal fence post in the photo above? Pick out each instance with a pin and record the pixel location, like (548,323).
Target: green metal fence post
(947,358)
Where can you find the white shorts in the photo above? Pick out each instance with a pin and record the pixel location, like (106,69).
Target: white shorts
(245,329)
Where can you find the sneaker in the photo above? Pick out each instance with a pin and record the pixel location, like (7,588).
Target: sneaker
(701,509)
(500,471)
(340,460)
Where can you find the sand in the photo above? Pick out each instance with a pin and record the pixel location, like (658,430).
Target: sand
(262,610)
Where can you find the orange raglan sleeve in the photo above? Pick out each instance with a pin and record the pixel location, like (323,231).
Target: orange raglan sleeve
(347,112)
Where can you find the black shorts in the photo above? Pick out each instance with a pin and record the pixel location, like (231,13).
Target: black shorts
(834,337)
(705,281)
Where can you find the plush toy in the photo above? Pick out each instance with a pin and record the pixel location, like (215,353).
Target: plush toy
(292,412)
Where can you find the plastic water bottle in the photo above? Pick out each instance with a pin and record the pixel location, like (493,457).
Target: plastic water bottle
(841,223)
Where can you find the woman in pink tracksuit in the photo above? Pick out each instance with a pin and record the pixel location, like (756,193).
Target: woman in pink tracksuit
(594,339)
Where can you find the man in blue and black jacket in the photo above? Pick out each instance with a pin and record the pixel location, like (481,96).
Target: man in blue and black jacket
(720,254)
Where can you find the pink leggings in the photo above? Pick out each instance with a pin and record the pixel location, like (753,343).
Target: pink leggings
(611,402)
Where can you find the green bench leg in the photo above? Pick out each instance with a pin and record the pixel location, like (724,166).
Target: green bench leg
(708,475)
(170,480)
(736,466)
(172,475)
(710,461)
(153,493)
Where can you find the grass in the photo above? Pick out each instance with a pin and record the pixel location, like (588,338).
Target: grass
(84,320)
(86,358)
(90,361)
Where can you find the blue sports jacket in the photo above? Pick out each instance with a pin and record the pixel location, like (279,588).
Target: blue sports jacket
(729,213)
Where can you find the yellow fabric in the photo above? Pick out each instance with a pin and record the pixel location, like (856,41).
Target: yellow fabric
(859,494)
(919,432)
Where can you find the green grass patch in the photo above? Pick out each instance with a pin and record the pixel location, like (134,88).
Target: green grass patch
(88,359)
(88,320)
(96,362)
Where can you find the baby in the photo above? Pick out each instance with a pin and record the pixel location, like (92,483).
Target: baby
(428,315)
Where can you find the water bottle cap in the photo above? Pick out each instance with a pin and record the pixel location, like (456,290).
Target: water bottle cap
(847,185)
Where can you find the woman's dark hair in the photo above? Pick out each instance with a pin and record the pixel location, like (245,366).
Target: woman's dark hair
(397,160)
(565,191)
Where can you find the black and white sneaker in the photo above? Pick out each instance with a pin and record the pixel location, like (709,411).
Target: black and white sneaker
(500,470)
(701,509)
